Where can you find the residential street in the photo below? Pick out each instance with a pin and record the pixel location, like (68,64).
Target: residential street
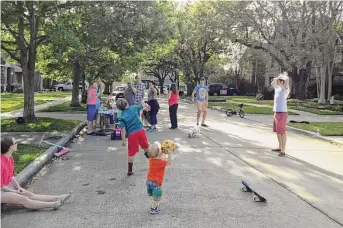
(202,186)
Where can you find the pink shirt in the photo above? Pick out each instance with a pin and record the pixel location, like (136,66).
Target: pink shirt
(91,92)
(173,98)
(7,170)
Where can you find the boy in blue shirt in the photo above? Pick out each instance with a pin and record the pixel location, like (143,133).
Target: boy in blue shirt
(201,98)
(129,122)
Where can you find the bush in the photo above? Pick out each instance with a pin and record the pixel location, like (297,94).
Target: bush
(266,93)
(338,97)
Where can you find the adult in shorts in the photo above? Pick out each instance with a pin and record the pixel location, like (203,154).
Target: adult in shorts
(281,86)
(201,98)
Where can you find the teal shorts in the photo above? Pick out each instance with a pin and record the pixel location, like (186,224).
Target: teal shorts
(153,189)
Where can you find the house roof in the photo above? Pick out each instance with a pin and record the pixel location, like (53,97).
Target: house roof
(15,67)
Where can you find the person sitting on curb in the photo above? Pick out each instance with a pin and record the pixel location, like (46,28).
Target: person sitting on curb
(12,193)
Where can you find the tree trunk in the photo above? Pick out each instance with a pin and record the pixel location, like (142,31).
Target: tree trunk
(299,78)
(318,81)
(29,105)
(77,72)
(330,68)
(84,91)
(322,99)
(107,88)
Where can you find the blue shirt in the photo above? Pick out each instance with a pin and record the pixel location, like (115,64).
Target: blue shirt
(280,100)
(129,119)
(200,93)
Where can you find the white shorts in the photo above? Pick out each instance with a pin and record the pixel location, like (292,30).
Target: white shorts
(8,186)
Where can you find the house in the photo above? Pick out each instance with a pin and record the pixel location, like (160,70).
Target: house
(12,77)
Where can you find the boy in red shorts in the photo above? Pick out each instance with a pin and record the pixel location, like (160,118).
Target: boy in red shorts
(160,156)
(129,122)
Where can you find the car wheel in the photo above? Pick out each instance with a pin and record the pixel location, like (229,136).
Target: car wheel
(60,89)
(234,94)
(215,94)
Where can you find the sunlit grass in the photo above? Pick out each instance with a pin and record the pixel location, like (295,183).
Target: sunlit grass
(14,101)
(325,128)
(43,124)
(25,155)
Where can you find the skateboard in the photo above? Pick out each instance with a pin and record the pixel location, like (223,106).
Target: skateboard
(257,197)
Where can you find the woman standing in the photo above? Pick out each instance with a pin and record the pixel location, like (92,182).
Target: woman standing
(91,108)
(281,86)
(129,94)
(12,192)
(154,106)
(98,103)
(173,102)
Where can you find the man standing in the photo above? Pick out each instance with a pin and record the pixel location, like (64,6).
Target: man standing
(129,94)
(139,96)
(281,86)
(201,98)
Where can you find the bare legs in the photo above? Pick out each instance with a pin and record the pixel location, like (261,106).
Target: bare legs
(32,201)
(282,139)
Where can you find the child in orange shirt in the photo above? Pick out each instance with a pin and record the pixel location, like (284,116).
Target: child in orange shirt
(160,156)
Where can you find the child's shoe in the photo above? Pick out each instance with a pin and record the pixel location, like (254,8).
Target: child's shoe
(152,129)
(155,210)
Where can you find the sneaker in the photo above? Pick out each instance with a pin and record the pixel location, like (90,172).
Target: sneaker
(146,155)
(155,210)
(281,154)
(276,150)
(152,129)
(204,125)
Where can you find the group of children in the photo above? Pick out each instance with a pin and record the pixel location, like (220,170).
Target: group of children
(159,154)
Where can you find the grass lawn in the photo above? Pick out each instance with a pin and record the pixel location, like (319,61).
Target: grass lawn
(325,128)
(65,107)
(25,155)
(248,109)
(306,106)
(13,101)
(44,124)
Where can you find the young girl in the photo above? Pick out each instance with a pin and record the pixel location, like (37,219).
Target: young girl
(173,101)
(12,193)
(91,108)
(160,156)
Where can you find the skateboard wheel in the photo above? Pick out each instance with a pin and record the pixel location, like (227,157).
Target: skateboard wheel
(244,189)
(255,198)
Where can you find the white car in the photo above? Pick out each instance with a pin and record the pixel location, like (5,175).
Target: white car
(118,92)
(69,86)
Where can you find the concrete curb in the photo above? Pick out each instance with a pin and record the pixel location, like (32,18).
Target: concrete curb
(292,129)
(26,174)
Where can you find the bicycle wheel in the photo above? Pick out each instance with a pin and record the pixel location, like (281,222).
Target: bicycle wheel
(229,112)
(241,113)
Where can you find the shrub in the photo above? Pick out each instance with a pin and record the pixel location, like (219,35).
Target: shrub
(338,97)
(267,93)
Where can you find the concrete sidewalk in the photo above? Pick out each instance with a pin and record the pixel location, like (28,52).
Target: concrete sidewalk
(19,112)
(202,187)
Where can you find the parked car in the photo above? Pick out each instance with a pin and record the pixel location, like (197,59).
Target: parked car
(118,92)
(69,86)
(221,89)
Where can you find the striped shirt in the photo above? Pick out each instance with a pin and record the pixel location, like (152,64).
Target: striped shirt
(140,87)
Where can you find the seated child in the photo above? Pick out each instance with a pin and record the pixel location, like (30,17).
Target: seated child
(129,122)
(160,156)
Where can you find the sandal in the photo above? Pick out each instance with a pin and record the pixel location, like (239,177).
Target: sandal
(66,197)
(59,205)
(281,154)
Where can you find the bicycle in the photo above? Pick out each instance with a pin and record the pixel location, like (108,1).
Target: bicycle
(230,112)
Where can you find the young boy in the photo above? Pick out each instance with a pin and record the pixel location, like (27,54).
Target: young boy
(160,156)
(129,122)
